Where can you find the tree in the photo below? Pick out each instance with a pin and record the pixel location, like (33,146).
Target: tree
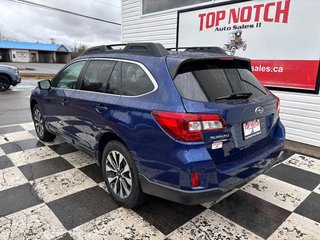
(77,50)
(5,38)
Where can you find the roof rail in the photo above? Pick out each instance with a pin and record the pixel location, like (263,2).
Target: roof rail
(102,49)
(147,48)
(216,50)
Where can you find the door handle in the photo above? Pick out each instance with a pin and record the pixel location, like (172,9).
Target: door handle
(64,101)
(101,108)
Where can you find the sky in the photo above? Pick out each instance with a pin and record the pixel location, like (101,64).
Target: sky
(28,23)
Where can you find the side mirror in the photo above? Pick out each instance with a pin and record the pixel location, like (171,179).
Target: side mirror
(44,84)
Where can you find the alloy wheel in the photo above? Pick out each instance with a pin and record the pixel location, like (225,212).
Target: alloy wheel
(118,174)
(3,84)
(38,122)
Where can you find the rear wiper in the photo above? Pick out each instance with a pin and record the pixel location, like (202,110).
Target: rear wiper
(235,96)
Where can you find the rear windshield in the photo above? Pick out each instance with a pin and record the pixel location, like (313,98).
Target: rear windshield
(207,85)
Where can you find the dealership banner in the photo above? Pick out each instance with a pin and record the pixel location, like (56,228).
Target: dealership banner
(281,37)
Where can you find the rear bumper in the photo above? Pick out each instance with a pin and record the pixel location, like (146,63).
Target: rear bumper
(194,197)
(178,195)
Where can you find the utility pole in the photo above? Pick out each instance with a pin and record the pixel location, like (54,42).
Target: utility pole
(53,40)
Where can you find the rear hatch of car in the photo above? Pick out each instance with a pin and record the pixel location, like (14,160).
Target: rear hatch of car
(228,89)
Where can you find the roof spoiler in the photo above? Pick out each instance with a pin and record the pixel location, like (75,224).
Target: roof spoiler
(216,50)
(220,61)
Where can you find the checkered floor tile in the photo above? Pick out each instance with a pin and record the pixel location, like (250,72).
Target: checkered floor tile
(54,191)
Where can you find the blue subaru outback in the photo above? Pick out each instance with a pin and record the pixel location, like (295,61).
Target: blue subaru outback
(187,126)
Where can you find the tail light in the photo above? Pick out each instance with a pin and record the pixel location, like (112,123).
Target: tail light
(188,127)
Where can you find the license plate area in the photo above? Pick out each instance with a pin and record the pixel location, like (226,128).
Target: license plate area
(251,128)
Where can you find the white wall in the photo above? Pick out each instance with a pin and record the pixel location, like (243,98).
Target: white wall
(20,55)
(155,27)
(300,112)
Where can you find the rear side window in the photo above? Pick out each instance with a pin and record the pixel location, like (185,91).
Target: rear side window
(134,80)
(207,85)
(97,74)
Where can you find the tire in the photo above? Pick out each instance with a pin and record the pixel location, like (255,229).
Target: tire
(39,125)
(4,83)
(244,47)
(118,172)
(233,51)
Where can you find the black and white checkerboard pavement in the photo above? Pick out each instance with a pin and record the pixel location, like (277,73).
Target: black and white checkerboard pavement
(53,191)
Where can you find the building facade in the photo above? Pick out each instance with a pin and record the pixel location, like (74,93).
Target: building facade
(12,51)
(157,21)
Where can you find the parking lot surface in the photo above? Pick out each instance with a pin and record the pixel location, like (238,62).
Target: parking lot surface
(54,191)
(14,103)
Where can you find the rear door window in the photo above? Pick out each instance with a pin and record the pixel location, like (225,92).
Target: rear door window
(97,74)
(207,85)
(113,86)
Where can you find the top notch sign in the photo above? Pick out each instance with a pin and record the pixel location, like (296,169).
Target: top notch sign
(276,12)
(281,37)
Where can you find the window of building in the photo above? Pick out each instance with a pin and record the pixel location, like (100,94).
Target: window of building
(97,74)
(150,6)
(68,77)
(134,80)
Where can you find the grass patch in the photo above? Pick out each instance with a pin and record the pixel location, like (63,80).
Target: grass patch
(37,75)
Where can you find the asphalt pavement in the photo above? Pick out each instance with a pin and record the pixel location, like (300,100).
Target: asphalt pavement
(14,103)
